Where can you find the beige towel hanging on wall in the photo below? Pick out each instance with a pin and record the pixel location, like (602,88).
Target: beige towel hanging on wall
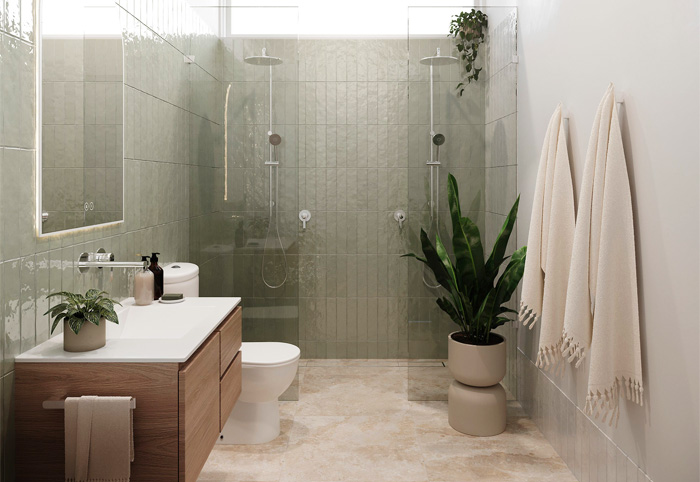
(549,244)
(602,309)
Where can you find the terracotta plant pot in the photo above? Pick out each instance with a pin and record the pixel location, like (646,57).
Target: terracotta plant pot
(90,337)
(477,365)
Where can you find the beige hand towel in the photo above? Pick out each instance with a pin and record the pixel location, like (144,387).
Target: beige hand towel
(602,310)
(549,244)
(99,444)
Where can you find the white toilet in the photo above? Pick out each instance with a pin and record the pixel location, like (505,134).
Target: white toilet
(268,370)
(181,278)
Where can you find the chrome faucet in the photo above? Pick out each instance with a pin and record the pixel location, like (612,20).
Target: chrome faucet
(102,259)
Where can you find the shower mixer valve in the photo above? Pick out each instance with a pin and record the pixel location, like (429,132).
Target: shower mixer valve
(304,217)
(400,217)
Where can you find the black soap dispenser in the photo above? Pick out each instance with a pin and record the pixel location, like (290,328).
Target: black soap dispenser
(157,276)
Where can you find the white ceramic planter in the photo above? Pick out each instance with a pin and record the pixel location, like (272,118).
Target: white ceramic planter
(90,337)
(477,365)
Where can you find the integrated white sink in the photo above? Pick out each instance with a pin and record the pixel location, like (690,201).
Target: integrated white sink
(160,321)
(158,332)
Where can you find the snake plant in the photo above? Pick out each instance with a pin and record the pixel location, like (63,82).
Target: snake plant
(475,293)
(77,309)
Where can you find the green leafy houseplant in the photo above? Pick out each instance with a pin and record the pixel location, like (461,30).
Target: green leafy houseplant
(475,291)
(469,30)
(77,309)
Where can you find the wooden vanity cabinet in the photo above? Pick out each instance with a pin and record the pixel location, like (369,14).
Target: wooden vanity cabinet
(180,407)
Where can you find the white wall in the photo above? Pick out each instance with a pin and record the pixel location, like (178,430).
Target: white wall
(569,52)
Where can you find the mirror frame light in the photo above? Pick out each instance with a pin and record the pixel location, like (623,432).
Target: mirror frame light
(38,188)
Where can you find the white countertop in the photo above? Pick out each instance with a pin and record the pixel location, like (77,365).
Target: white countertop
(157,333)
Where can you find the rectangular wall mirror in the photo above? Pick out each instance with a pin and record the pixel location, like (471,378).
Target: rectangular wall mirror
(81,122)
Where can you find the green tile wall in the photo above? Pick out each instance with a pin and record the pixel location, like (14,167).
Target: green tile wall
(354,117)
(172,136)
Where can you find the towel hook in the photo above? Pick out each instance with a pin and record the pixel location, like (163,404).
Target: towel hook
(618,104)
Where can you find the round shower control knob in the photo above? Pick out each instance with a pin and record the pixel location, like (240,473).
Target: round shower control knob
(400,217)
(304,217)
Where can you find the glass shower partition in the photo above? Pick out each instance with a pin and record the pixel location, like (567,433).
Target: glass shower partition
(475,137)
(260,207)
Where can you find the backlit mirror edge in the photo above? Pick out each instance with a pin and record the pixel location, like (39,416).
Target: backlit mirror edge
(38,137)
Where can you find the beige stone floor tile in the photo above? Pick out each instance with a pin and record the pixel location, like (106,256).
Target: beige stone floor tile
(497,467)
(353,423)
(428,382)
(353,449)
(520,453)
(328,391)
(230,465)
(336,432)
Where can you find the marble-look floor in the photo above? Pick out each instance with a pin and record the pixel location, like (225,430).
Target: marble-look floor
(354,423)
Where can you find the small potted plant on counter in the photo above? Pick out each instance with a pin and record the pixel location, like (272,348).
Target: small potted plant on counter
(84,319)
(475,293)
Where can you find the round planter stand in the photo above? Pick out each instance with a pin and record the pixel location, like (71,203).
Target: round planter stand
(479,411)
(476,400)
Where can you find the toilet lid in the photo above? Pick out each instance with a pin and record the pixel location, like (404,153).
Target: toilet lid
(268,353)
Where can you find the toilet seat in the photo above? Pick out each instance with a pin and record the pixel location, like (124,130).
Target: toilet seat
(268,354)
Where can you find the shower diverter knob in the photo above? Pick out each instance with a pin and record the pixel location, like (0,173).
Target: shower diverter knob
(304,217)
(400,217)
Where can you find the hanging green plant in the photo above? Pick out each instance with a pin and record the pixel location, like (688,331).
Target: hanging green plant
(469,29)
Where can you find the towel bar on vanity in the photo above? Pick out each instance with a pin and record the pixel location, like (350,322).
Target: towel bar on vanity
(60,404)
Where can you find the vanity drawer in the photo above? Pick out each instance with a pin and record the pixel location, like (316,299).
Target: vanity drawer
(230,390)
(230,330)
(199,405)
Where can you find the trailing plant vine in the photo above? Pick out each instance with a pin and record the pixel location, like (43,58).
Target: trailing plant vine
(469,29)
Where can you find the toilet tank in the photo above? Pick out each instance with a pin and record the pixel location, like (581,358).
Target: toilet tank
(181,278)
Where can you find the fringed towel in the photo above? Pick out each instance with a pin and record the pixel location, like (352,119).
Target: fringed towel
(549,244)
(602,311)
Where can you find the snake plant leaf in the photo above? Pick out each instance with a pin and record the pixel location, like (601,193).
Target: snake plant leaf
(510,278)
(476,250)
(506,284)
(413,255)
(453,281)
(499,247)
(434,262)
(503,309)
(466,241)
(501,320)
(475,298)
(446,306)
(446,261)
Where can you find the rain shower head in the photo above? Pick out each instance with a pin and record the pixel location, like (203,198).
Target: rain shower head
(437,60)
(438,139)
(263,59)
